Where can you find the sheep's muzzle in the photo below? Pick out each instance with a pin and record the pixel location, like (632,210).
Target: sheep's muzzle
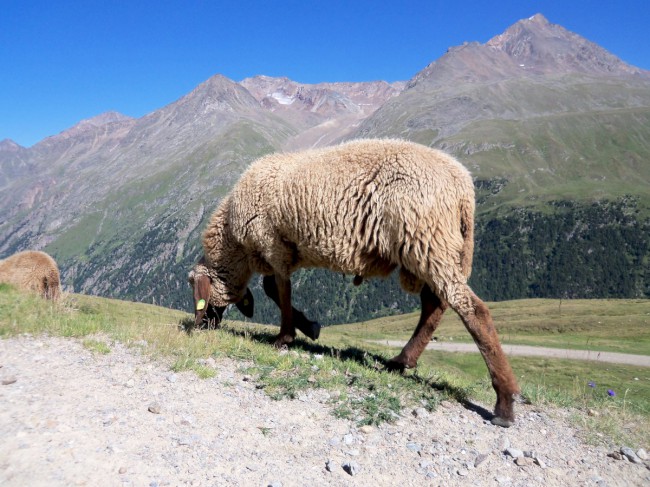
(208,317)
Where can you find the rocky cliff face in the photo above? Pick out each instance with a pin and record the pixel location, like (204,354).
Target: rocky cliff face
(321,113)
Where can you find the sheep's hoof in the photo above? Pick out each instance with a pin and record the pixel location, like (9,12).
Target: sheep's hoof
(504,423)
(396,366)
(400,364)
(313,330)
(282,342)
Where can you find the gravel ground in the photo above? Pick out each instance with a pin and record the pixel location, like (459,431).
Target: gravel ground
(70,417)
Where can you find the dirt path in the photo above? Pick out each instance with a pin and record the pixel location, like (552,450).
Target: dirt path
(609,357)
(71,417)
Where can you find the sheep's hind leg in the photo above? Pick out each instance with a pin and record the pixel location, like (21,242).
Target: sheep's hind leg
(432,310)
(478,321)
(310,328)
(287,328)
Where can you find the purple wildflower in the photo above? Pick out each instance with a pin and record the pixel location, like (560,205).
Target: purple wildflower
(591,384)
(611,392)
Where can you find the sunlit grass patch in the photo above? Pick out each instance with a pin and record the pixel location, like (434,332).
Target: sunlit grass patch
(96,346)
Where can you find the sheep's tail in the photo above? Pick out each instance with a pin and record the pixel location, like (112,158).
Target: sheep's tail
(467,229)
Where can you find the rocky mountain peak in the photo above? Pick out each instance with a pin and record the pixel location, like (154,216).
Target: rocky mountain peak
(218,94)
(8,145)
(530,47)
(542,47)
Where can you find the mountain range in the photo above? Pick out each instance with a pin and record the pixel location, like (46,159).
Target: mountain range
(555,130)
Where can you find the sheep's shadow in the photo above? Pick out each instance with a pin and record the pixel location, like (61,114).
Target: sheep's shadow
(367,359)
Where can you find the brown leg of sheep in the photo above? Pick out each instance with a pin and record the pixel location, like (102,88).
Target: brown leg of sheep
(287,328)
(478,321)
(430,316)
(310,328)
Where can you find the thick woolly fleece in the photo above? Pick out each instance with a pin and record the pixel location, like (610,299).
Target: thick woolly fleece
(362,208)
(34,271)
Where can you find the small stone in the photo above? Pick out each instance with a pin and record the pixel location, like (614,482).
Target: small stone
(330,465)
(514,453)
(524,461)
(593,412)
(642,454)
(503,480)
(480,459)
(366,429)
(130,383)
(539,462)
(615,455)
(420,413)
(348,439)
(529,454)
(630,455)
(187,420)
(353,453)
(352,468)
(334,442)
(416,447)
(8,380)
(462,472)
(122,470)
(275,484)
(109,419)
(504,443)
(171,377)
(154,408)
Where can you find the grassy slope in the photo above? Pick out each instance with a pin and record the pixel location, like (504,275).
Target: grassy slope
(581,157)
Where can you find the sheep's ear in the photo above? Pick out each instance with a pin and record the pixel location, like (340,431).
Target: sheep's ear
(246,305)
(201,297)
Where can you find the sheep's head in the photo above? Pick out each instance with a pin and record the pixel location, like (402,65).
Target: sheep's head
(212,296)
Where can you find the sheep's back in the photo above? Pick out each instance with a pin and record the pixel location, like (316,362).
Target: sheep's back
(351,207)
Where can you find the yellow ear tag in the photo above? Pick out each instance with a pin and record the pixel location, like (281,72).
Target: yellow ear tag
(245,302)
(200,304)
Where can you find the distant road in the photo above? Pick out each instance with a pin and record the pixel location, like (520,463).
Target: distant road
(609,357)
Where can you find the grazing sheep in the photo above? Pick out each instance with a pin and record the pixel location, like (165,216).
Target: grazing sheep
(363,208)
(32,270)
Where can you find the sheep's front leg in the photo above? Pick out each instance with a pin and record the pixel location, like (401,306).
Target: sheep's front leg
(287,328)
(432,310)
(310,328)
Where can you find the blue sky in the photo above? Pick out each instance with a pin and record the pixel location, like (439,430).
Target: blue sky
(63,61)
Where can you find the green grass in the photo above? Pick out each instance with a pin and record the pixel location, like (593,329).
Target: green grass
(352,370)
(97,346)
